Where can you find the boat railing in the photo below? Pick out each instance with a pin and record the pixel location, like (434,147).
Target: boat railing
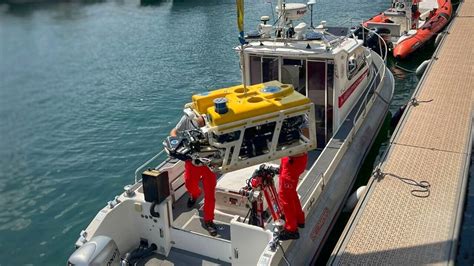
(380,71)
(378,77)
(140,169)
(352,23)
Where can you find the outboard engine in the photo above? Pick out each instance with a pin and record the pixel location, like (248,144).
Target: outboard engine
(100,250)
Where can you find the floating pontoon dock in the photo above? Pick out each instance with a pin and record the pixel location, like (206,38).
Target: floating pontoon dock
(398,223)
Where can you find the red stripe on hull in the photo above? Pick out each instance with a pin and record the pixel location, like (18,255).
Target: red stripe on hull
(343,98)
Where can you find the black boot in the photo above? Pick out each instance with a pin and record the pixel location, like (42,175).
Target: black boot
(211,228)
(287,235)
(191,202)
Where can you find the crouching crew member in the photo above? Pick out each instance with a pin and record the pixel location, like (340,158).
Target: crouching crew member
(194,173)
(291,168)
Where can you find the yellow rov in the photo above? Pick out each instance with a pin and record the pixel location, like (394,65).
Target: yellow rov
(245,127)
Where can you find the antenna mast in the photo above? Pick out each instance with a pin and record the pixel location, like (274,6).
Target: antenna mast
(280,17)
(311,4)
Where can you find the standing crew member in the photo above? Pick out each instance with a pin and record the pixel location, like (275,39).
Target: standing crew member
(415,15)
(291,168)
(193,173)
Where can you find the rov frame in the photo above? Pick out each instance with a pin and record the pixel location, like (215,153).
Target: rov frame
(231,160)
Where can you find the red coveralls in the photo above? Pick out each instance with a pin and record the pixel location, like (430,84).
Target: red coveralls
(290,170)
(192,175)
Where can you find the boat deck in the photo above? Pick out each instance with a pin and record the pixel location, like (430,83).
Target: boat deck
(179,257)
(396,222)
(190,219)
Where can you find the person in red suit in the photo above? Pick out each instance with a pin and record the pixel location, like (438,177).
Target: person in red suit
(194,173)
(291,168)
(415,12)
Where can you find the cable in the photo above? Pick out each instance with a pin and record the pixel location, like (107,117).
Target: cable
(152,210)
(424,186)
(248,213)
(192,123)
(284,255)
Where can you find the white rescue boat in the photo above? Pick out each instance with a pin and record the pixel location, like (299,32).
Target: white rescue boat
(349,90)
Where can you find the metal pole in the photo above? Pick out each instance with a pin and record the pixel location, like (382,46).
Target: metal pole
(244,74)
(280,15)
(240,24)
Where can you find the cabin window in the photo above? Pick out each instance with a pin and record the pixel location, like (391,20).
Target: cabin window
(269,69)
(355,63)
(321,92)
(255,70)
(317,94)
(293,71)
(351,67)
(263,69)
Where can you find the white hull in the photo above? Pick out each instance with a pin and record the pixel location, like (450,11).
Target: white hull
(349,89)
(323,190)
(321,219)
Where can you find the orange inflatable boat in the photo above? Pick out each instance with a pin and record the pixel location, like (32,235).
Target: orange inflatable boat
(412,23)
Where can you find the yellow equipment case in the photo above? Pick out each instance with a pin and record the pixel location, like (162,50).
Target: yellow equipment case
(258,100)
(247,127)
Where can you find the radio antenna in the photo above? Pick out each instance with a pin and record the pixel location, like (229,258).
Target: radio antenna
(311,4)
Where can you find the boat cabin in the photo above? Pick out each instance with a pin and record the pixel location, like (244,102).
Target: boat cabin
(328,73)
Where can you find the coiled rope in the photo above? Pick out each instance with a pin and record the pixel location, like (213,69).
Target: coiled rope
(423,187)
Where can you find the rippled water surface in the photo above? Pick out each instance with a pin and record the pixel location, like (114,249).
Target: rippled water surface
(88,90)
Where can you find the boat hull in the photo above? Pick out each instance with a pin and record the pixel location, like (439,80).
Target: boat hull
(321,218)
(412,40)
(407,45)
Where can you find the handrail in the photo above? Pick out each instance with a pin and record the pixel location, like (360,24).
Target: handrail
(140,168)
(381,40)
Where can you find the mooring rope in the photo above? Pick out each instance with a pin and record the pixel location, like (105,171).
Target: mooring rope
(423,190)
(414,101)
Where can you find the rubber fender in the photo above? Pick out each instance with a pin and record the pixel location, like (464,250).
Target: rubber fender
(422,67)
(438,39)
(353,199)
